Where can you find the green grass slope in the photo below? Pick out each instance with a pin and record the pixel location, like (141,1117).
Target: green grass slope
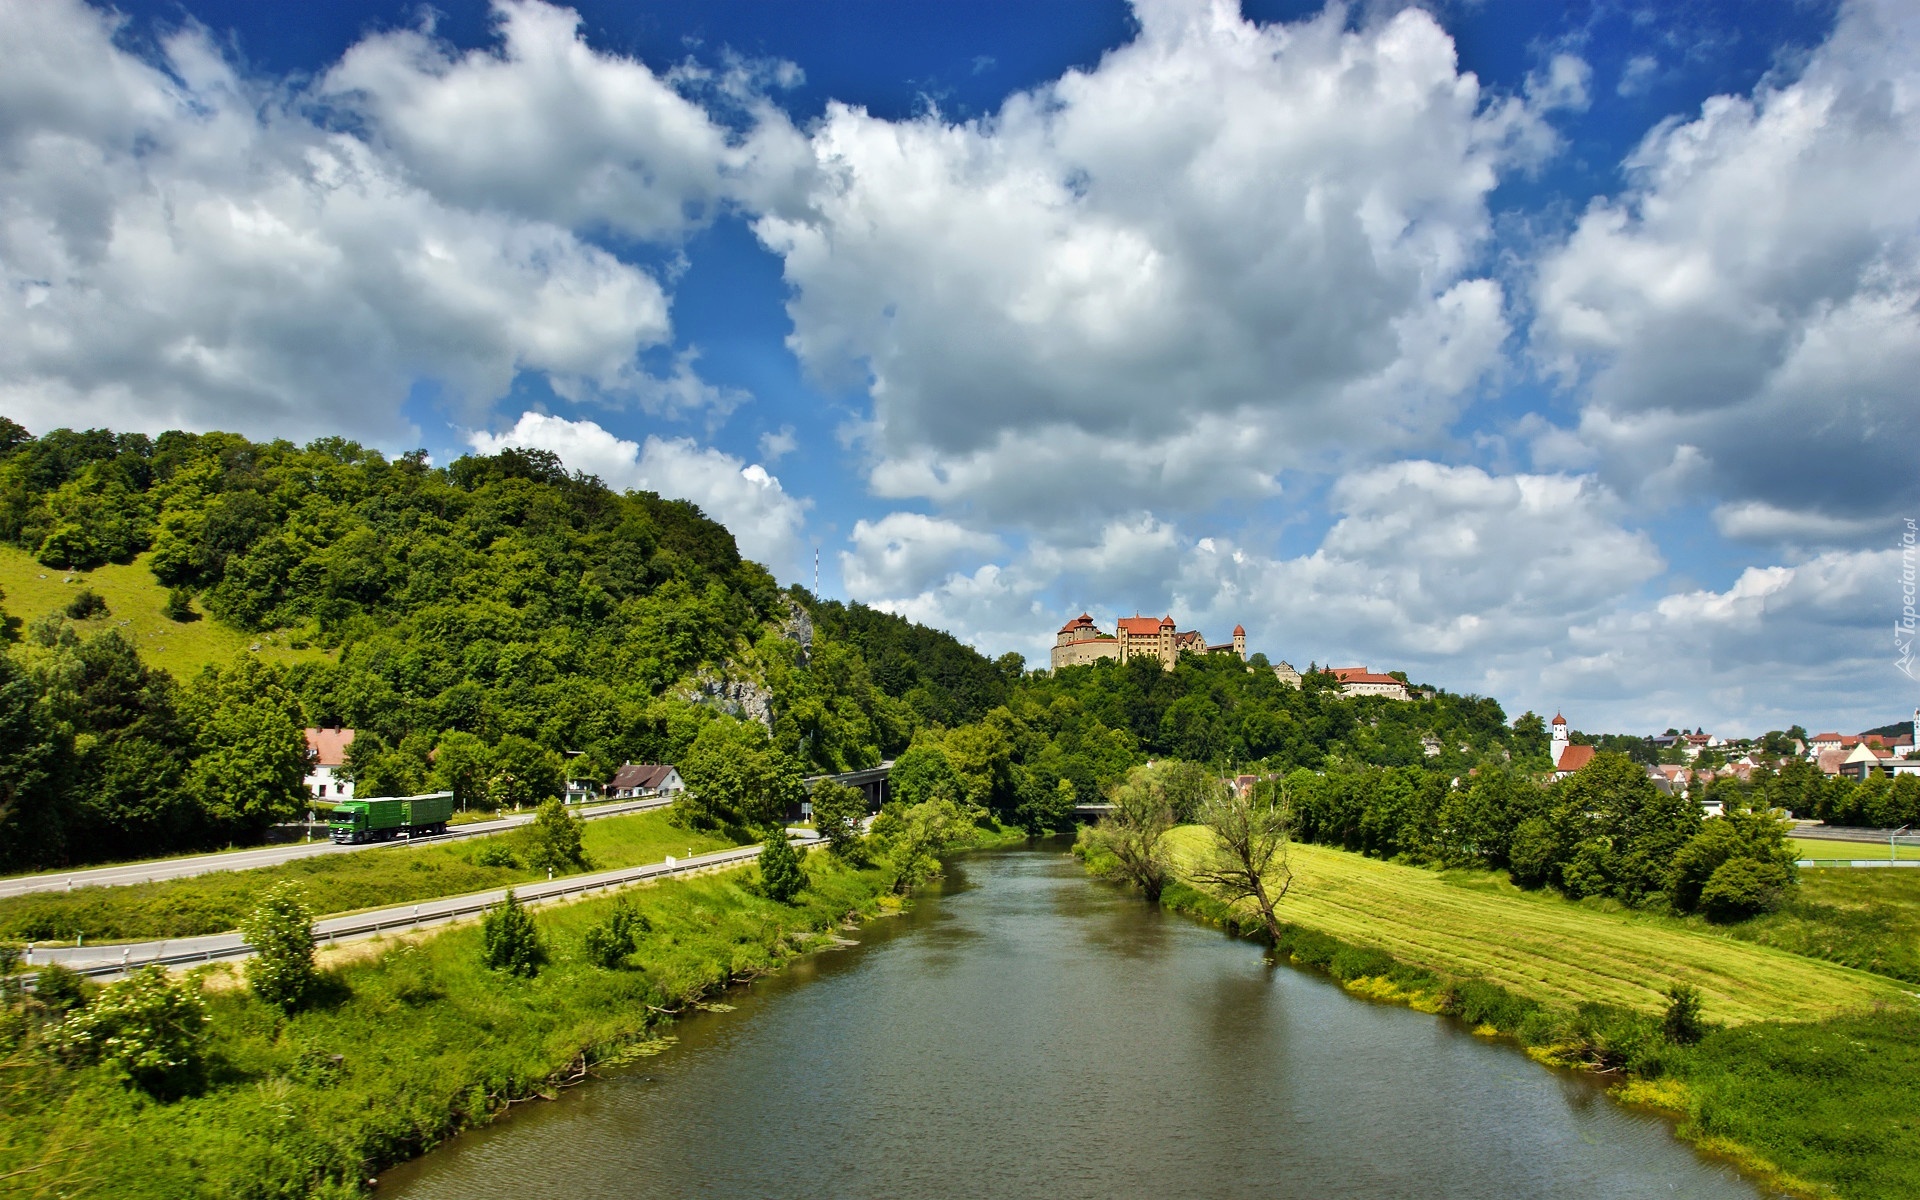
(135,603)
(1540,945)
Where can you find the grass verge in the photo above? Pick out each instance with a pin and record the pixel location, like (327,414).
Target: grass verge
(1817,1107)
(335,883)
(406,1050)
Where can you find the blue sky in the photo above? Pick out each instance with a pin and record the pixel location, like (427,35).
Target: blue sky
(1563,354)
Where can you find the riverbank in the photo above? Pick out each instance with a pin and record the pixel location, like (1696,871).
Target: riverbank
(405,1049)
(1818,1106)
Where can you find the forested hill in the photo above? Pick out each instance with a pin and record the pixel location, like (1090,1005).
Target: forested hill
(488,617)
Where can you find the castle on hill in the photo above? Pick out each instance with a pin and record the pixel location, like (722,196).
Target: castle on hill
(1081,641)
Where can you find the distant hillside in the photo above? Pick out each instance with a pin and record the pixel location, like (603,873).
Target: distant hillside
(475,622)
(1894,729)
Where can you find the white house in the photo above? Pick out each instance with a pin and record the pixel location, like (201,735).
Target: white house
(326,754)
(639,780)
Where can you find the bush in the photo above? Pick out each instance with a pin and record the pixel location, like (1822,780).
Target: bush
(281,971)
(1478,1002)
(607,943)
(494,852)
(510,940)
(1358,962)
(781,878)
(837,812)
(87,604)
(151,1027)
(553,840)
(1683,1025)
(179,606)
(1743,887)
(61,989)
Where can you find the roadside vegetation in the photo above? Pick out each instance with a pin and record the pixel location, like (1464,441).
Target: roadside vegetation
(337,883)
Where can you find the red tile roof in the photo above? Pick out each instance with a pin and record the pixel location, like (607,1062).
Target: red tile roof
(1558,719)
(1083,621)
(1141,626)
(1360,675)
(328,747)
(1575,758)
(1239,631)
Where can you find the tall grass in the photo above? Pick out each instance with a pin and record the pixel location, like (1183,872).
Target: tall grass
(334,883)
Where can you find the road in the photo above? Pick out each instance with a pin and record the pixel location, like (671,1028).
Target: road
(112,960)
(158,869)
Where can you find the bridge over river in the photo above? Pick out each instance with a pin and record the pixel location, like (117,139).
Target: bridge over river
(873,782)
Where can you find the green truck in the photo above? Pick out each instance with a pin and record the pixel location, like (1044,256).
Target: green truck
(384,818)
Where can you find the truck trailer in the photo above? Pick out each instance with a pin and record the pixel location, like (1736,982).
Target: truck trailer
(384,818)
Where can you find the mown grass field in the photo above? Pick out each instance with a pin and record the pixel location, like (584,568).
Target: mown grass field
(1540,945)
(1859,918)
(1834,850)
(334,883)
(135,601)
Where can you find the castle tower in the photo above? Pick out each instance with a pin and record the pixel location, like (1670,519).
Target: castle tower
(1558,747)
(1240,644)
(1167,652)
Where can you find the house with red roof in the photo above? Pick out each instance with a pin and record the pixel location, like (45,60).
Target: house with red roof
(1359,681)
(326,754)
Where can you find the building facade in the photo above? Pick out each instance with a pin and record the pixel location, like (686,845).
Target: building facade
(326,754)
(1082,641)
(1358,681)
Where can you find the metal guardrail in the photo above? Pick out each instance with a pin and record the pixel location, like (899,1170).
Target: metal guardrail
(538,892)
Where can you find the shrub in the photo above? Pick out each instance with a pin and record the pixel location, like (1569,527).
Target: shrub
(179,606)
(1743,887)
(553,840)
(87,604)
(510,940)
(781,878)
(151,1027)
(1478,1002)
(280,930)
(494,852)
(1683,1025)
(61,989)
(1357,962)
(1606,1037)
(607,943)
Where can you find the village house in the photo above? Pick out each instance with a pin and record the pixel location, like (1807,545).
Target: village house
(326,754)
(1359,681)
(637,781)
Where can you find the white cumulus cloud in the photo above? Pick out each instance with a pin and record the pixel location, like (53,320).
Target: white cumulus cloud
(766,521)
(1225,250)
(1744,321)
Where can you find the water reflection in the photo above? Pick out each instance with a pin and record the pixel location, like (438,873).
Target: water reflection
(1025,1033)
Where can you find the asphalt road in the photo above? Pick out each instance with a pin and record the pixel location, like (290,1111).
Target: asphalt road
(111,960)
(268,856)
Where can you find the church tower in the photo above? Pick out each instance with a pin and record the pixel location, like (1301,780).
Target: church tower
(1558,747)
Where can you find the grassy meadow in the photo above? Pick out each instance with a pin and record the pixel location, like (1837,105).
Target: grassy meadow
(1859,918)
(135,601)
(405,1047)
(1835,850)
(1536,944)
(334,883)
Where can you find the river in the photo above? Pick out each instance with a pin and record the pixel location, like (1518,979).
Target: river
(1026,1032)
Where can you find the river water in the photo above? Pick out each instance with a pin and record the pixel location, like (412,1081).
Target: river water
(1026,1032)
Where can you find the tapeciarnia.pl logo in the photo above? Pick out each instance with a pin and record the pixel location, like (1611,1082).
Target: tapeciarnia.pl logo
(1903,629)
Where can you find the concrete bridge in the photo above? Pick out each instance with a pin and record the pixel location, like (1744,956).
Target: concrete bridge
(872,781)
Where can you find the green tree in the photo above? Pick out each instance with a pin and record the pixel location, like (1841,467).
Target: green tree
(606,944)
(510,941)
(252,752)
(1683,1025)
(922,773)
(535,773)
(838,810)
(179,605)
(280,930)
(151,1027)
(461,766)
(1247,859)
(86,605)
(781,877)
(1743,887)
(735,775)
(553,839)
(911,838)
(1739,833)
(1133,834)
